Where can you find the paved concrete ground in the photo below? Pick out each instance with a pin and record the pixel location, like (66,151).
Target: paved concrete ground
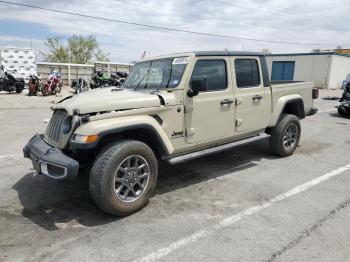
(201,208)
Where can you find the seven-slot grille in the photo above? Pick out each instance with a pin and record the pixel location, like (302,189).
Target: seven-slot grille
(53,129)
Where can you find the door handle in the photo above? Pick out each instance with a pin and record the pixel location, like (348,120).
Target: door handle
(226,102)
(257,98)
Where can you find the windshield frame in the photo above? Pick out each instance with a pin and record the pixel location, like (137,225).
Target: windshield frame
(165,84)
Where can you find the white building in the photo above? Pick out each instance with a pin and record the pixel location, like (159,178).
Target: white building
(22,60)
(326,70)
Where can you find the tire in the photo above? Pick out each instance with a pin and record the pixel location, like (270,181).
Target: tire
(19,88)
(44,90)
(342,111)
(107,166)
(281,143)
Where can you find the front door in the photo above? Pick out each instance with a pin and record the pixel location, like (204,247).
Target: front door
(210,115)
(251,97)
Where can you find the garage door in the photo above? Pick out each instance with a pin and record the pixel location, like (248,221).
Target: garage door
(282,70)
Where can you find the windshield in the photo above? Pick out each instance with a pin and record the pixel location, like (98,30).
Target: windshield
(156,74)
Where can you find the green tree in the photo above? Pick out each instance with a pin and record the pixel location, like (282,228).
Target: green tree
(77,50)
(57,50)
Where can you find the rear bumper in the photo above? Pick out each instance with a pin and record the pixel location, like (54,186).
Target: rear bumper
(312,111)
(50,161)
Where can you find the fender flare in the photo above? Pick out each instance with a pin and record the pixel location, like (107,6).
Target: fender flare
(109,126)
(281,103)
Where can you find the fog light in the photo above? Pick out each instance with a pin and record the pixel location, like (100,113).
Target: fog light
(53,171)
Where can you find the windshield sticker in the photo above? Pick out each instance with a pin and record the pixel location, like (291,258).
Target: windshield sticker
(180,60)
(175,82)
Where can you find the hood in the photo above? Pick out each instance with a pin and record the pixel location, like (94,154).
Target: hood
(109,99)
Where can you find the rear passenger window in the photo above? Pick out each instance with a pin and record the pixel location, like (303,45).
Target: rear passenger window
(214,71)
(247,73)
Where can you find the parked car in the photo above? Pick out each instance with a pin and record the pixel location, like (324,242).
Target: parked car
(171,108)
(345,82)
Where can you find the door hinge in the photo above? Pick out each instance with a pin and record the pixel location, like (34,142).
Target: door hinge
(239,122)
(188,109)
(189,132)
(238,101)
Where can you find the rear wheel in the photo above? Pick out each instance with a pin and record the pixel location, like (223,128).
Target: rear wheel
(123,177)
(44,90)
(285,135)
(19,87)
(342,111)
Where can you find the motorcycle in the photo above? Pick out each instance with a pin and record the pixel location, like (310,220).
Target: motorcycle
(34,85)
(118,78)
(80,85)
(344,106)
(53,85)
(9,83)
(99,80)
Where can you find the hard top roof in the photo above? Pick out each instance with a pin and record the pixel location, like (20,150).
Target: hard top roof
(227,53)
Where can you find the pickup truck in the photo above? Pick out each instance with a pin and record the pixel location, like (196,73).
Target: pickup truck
(171,108)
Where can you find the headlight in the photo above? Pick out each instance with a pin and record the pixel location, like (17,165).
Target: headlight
(85,139)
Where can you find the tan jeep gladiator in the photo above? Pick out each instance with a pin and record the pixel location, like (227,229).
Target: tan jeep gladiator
(171,108)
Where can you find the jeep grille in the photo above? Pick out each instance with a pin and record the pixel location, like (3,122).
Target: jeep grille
(53,132)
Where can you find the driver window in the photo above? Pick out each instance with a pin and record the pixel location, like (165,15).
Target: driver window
(215,73)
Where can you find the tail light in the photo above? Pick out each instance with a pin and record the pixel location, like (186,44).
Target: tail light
(315,92)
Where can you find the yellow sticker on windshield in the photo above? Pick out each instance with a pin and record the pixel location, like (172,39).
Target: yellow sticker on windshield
(180,60)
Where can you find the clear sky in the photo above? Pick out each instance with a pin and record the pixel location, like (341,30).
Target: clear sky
(313,21)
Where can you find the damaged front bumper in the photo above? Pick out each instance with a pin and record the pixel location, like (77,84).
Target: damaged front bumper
(50,161)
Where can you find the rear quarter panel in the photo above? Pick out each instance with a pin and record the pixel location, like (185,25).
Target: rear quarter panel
(282,93)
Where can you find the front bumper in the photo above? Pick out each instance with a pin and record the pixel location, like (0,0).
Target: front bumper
(50,161)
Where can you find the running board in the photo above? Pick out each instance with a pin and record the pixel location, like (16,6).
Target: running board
(204,152)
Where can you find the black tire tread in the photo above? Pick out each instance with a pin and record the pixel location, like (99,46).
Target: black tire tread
(97,191)
(277,133)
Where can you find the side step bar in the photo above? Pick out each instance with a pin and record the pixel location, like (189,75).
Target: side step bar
(204,152)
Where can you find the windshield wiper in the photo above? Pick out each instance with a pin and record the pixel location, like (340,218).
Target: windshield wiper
(170,75)
(150,66)
(137,86)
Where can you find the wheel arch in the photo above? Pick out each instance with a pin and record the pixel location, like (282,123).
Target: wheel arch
(292,104)
(141,132)
(142,128)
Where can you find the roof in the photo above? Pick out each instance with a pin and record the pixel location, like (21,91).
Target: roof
(346,55)
(227,53)
(302,54)
(83,65)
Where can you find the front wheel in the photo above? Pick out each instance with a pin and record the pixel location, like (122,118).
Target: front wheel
(285,135)
(123,177)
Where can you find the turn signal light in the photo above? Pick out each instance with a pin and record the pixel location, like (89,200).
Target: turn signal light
(85,139)
(91,139)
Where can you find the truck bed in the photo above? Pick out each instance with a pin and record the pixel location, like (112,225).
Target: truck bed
(293,88)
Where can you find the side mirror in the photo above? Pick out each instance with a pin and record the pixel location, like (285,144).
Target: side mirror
(197,85)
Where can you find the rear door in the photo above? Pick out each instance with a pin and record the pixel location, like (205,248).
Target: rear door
(210,115)
(252,108)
